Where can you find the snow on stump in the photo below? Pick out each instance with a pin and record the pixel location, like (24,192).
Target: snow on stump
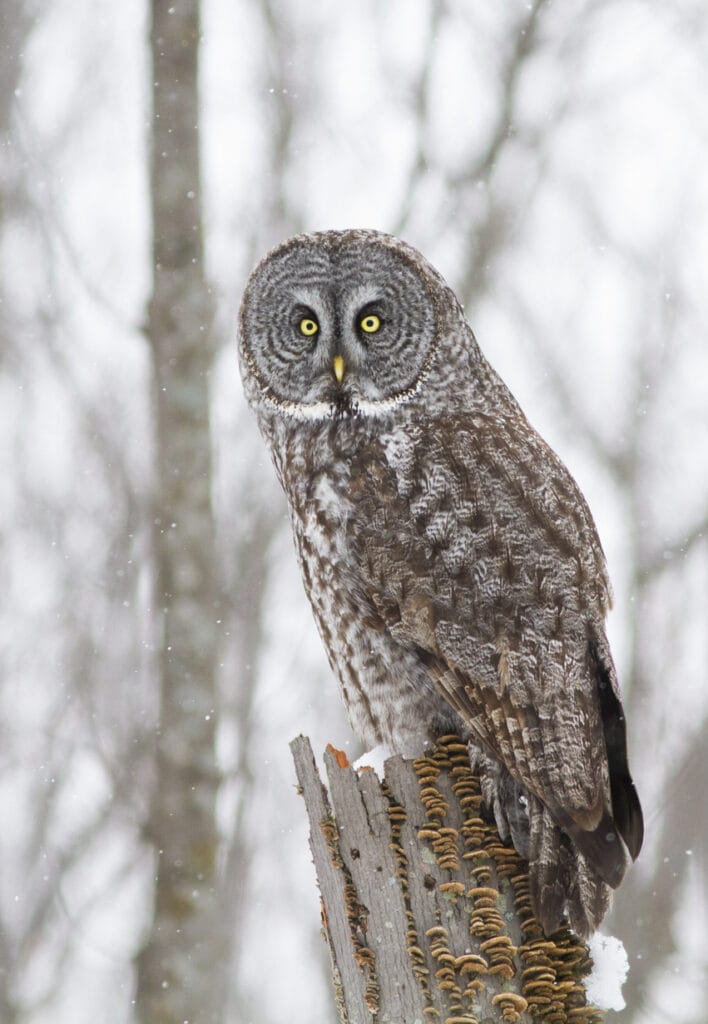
(426,911)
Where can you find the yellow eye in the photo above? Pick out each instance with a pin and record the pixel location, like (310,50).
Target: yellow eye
(370,324)
(308,326)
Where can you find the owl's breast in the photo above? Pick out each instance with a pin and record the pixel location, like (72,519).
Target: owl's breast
(322,519)
(388,692)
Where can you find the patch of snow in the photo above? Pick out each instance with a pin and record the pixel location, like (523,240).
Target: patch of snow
(374,759)
(609,973)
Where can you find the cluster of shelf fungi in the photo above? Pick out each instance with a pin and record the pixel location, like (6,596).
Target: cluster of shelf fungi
(425,909)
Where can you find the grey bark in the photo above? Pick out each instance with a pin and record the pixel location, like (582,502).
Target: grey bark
(426,912)
(182,961)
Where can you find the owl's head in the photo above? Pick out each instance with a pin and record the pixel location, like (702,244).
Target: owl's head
(341,323)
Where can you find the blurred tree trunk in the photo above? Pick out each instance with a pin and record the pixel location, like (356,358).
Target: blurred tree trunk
(15,25)
(12,23)
(183,951)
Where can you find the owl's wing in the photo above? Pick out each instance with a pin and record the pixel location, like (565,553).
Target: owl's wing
(480,553)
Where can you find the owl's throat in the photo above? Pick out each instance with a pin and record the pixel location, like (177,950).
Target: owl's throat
(343,403)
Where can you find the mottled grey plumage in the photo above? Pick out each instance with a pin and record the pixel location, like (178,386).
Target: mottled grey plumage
(452,563)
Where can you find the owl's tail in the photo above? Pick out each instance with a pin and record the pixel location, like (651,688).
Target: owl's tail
(565,887)
(562,881)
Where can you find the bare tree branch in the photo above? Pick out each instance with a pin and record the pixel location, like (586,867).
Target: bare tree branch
(421,108)
(675,551)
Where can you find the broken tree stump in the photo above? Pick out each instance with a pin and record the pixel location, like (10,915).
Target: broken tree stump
(425,909)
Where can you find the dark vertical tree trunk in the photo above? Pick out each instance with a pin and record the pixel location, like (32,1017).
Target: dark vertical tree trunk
(178,967)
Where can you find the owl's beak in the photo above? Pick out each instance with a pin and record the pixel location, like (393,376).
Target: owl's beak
(338,366)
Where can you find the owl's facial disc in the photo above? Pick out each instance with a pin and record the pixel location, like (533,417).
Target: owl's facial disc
(333,326)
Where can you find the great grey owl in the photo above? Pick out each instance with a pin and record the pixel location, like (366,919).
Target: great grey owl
(451,561)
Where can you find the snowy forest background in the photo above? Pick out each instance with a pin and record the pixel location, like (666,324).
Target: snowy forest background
(156,649)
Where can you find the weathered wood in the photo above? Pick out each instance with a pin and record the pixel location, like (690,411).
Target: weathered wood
(333,883)
(365,843)
(426,911)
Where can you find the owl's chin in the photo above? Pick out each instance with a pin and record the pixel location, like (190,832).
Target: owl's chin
(336,403)
(345,404)
(330,402)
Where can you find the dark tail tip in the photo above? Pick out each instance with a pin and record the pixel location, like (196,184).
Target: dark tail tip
(626,809)
(628,812)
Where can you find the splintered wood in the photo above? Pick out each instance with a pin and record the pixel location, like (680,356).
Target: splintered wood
(426,911)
